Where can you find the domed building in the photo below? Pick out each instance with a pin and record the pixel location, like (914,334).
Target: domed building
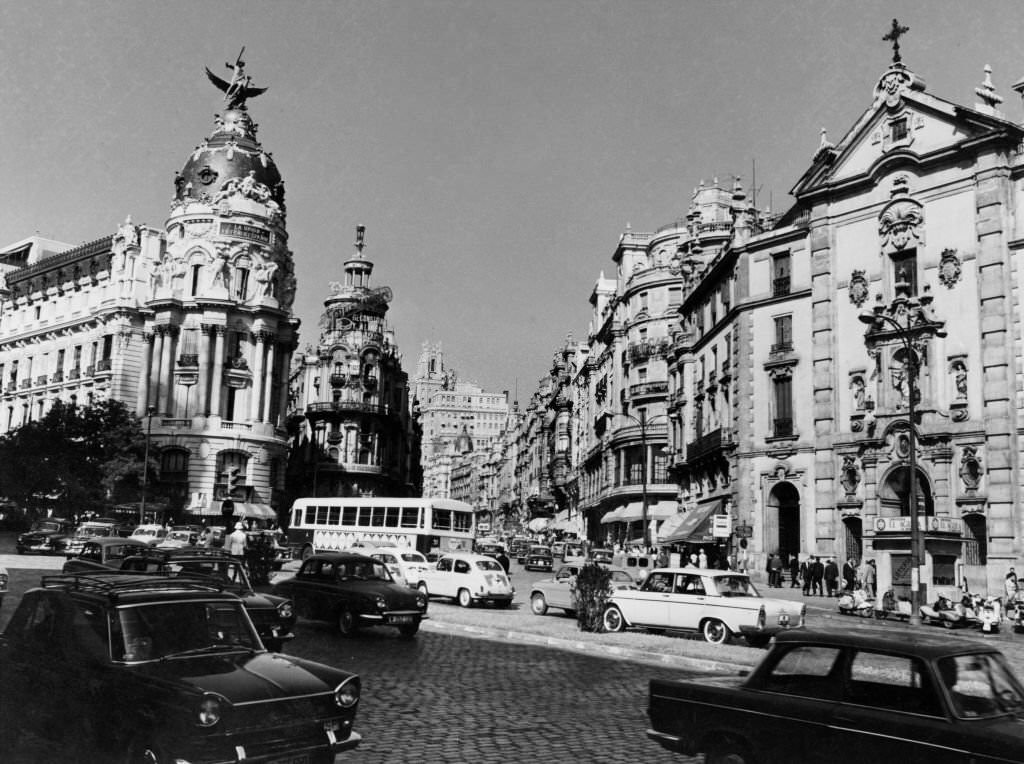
(191,325)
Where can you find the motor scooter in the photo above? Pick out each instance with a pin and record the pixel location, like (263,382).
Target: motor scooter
(856,603)
(944,613)
(990,615)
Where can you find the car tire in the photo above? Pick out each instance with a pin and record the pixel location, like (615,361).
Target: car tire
(464,598)
(714,631)
(408,631)
(612,619)
(347,623)
(538,604)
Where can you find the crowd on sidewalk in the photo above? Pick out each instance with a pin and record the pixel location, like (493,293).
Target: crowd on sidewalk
(821,579)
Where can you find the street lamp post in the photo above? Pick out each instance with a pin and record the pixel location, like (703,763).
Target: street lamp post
(906,332)
(145,464)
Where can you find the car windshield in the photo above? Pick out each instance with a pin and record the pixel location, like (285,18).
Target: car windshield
(172,629)
(223,570)
(981,684)
(414,557)
(490,565)
(540,550)
(364,570)
(621,577)
(88,531)
(48,526)
(735,586)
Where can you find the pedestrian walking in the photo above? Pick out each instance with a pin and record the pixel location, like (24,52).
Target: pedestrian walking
(768,571)
(832,578)
(849,575)
(702,558)
(794,571)
(777,570)
(1010,585)
(869,579)
(236,542)
(817,576)
(805,575)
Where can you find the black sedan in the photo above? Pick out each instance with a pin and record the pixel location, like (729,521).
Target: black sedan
(353,590)
(46,537)
(539,558)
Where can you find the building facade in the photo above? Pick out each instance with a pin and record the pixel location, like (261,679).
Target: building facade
(189,325)
(351,426)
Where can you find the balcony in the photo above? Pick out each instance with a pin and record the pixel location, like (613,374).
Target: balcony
(41,380)
(56,377)
(781,347)
(188,361)
(638,352)
(782,427)
(74,374)
(26,384)
(345,407)
(339,380)
(647,389)
(705,445)
(90,370)
(103,365)
(929,524)
(780,286)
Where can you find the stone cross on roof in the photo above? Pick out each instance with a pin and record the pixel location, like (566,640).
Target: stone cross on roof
(894,35)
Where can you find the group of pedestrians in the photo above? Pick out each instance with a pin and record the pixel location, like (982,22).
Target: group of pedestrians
(823,579)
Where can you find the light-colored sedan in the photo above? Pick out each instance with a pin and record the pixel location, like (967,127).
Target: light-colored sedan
(469,579)
(716,603)
(557,591)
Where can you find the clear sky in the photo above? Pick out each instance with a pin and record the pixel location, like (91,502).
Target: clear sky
(494,149)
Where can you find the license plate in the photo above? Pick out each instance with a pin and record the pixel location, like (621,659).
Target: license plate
(400,619)
(332,725)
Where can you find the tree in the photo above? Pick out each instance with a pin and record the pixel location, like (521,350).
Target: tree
(591,590)
(74,459)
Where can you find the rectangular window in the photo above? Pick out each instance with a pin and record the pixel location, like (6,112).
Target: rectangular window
(379,513)
(348,516)
(196,270)
(783,395)
(393,516)
(644,301)
(675,295)
(899,129)
(310,515)
(334,516)
(780,274)
(904,270)
(462,521)
(783,334)
(365,517)
(241,283)
(442,520)
(321,515)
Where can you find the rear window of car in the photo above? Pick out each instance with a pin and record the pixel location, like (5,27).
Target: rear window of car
(413,557)
(805,671)
(489,565)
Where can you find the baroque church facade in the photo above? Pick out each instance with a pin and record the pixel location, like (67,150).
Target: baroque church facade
(190,325)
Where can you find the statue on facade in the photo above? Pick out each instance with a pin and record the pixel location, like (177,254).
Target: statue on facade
(239,89)
(960,379)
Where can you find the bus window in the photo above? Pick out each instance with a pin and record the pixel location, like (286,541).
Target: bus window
(334,516)
(463,521)
(365,516)
(310,515)
(378,516)
(297,518)
(393,515)
(411,517)
(442,519)
(348,516)
(321,515)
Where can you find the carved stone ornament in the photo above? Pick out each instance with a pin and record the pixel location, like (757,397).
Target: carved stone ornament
(849,475)
(893,84)
(899,226)
(949,268)
(858,288)
(970,469)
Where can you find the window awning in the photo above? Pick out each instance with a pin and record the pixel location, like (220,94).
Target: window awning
(246,510)
(656,510)
(615,516)
(695,526)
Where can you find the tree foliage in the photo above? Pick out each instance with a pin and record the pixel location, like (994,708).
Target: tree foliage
(591,590)
(74,459)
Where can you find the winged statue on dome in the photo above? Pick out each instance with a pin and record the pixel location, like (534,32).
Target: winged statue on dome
(239,89)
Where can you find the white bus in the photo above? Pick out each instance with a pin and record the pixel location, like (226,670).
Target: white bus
(333,523)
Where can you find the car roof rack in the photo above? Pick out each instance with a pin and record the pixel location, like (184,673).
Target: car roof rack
(115,583)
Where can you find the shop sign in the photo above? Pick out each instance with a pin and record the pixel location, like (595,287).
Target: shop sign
(743,531)
(721,526)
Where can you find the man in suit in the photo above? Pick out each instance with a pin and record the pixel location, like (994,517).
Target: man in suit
(849,575)
(817,576)
(805,575)
(832,577)
(794,571)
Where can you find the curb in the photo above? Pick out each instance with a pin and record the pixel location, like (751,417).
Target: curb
(703,665)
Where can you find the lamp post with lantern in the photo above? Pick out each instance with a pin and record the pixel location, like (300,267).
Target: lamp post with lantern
(150,411)
(908,319)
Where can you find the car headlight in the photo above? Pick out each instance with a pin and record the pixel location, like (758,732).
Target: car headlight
(421,602)
(382,604)
(209,710)
(286,609)
(346,694)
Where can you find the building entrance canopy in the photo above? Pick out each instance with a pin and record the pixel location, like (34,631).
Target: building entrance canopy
(694,527)
(244,509)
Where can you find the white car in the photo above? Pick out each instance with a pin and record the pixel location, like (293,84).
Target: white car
(406,565)
(716,603)
(149,534)
(469,579)
(558,591)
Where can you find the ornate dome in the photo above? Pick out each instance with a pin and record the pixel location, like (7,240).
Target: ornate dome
(231,153)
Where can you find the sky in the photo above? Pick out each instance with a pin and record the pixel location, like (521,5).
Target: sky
(495,150)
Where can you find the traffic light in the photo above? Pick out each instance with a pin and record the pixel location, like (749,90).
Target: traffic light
(235,478)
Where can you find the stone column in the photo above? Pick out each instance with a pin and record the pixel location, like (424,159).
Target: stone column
(286,365)
(217,382)
(145,375)
(167,368)
(203,408)
(259,349)
(268,382)
(154,368)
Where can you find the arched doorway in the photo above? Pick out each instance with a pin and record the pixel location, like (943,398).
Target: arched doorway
(895,492)
(782,521)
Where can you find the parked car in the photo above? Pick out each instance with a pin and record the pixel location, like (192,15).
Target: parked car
(151,533)
(176,539)
(850,696)
(353,590)
(45,536)
(273,616)
(539,558)
(469,579)
(602,556)
(406,565)
(4,583)
(557,591)
(164,669)
(558,549)
(519,549)
(717,603)
(104,554)
(71,546)
(491,550)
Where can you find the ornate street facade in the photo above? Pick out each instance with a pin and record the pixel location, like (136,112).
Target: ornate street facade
(190,326)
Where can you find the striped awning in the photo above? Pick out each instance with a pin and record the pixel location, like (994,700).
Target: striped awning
(695,527)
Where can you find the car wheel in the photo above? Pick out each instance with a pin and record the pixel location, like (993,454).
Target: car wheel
(612,619)
(538,604)
(307,552)
(140,752)
(465,598)
(729,752)
(714,631)
(409,630)
(347,623)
